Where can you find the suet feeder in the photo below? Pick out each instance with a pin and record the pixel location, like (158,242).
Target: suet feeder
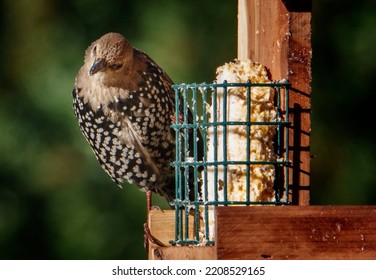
(255,204)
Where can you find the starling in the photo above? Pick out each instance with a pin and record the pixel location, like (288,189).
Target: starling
(124,104)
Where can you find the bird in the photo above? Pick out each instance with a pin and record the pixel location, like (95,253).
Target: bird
(124,105)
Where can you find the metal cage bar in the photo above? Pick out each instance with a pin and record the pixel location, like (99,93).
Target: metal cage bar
(187,163)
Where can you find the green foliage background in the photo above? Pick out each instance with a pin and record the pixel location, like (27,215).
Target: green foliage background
(57,203)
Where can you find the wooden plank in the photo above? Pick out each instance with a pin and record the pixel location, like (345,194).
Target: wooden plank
(299,75)
(263,33)
(185,253)
(162,227)
(277,34)
(296,232)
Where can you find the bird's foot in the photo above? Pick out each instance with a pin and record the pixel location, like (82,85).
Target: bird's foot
(147,234)
(149,237)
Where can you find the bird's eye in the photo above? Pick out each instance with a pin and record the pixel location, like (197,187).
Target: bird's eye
(95,50)
(116,66)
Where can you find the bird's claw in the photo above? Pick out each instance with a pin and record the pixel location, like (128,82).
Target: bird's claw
(149,237)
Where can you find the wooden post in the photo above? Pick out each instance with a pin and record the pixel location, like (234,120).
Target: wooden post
(277,34)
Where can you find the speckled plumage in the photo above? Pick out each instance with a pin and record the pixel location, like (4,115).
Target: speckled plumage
(124,102)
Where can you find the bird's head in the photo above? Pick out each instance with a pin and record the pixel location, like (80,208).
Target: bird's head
(108,55)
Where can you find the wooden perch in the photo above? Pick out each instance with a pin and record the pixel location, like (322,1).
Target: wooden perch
(296,232)
(285,232)
(162,224)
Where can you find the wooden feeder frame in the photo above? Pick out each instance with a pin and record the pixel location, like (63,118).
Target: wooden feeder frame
(277,34)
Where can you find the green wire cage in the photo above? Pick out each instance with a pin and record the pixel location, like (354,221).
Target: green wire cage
(202,163)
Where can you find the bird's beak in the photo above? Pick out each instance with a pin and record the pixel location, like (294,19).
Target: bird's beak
(97,66)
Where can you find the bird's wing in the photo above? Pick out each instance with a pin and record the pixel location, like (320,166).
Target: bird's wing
(134,106)
(152,68)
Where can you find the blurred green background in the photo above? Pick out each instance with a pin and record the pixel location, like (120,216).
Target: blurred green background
(57,203)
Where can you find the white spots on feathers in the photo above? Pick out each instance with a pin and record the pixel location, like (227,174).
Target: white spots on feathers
(129,131)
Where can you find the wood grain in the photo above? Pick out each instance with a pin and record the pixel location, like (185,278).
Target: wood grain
(277,34)
(185,253)
(162,227)
(296,232)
